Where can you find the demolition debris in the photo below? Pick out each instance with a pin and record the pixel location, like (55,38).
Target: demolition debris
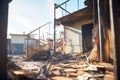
(64,67)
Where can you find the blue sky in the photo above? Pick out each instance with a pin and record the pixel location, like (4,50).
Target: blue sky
(26,15)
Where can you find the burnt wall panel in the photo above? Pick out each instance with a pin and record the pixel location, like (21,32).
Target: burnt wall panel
(103,37)
(116,22)
(105,30)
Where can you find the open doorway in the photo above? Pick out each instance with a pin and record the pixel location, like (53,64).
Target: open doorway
(87,37)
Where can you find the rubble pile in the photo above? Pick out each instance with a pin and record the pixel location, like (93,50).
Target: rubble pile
(81,71)
(65,69)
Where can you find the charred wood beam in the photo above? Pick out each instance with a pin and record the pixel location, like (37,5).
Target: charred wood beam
(89,3)
(115,20)
(3,38)
(96,29)
(10,0)
(103,29)
(95,12)
(111,23)
(113,38)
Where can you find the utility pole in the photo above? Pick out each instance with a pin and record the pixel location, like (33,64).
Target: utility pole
(55,7)
(54,27)
(99,25)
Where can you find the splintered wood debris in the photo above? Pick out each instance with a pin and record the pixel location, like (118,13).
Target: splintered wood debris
(66,69)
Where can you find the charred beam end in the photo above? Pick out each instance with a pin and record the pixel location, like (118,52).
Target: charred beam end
(88,3)
(9,1)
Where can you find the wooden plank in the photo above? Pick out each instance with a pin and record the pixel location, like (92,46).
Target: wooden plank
(19,72)
(60,78)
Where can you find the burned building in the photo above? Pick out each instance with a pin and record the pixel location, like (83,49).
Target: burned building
(78,30)
(18,44)
(105,22)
